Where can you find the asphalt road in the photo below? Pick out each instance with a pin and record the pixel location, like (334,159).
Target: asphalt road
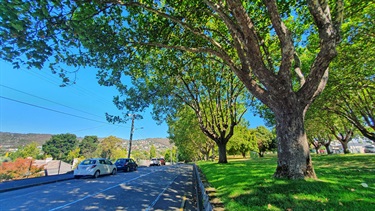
(151,188)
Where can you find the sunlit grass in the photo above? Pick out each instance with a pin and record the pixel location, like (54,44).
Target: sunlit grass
(249,184)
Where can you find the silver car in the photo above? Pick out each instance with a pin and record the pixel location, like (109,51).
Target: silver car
(95,167)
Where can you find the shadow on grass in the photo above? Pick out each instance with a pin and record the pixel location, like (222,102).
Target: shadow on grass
(249,185)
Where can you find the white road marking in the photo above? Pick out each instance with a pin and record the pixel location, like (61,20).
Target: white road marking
(94,194)
(157,198)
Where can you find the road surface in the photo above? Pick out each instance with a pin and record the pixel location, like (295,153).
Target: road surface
(152,188)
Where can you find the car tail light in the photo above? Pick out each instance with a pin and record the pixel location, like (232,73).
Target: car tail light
(93,166)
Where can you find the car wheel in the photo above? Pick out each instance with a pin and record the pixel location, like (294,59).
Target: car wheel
(97,173)
(135,168)
(114,172)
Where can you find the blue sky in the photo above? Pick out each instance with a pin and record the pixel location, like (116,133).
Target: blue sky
(31,101)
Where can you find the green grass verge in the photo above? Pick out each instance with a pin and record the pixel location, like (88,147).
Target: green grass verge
(249,184)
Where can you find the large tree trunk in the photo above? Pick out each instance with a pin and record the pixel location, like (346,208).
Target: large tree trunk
(222,152)
(327,148)
(345,147)
(294,160)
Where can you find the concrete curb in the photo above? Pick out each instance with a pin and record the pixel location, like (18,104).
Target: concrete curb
(203,200)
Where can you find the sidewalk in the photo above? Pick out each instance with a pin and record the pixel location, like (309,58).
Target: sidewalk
(24,183)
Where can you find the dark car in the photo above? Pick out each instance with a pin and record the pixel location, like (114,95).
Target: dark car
(126,164)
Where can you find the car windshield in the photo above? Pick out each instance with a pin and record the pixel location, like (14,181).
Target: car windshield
(88,162)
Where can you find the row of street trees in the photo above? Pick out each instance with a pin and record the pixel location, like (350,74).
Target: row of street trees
(346,108)
(214,57)
(193,144)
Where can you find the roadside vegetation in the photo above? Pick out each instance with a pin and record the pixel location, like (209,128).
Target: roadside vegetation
(346,182)
(21,164)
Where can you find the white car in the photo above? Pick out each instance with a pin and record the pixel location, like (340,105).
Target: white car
(95,167)
(369,149)
(154,162)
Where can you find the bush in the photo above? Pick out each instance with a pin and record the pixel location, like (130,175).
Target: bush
(19,169)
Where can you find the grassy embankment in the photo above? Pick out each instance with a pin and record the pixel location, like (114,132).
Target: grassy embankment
(346,182)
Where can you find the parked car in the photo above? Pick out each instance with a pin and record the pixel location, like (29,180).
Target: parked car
(126,164)
(162,161)
(370,149)
(95,167)
(154,162)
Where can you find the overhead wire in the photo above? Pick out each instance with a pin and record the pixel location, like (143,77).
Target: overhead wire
(53,80)
(49,100)
(61,112)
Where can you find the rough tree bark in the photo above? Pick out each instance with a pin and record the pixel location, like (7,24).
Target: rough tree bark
(222,151)
(294,160)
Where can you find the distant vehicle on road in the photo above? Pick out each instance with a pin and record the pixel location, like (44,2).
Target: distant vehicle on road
(95,167)
(154,162)
(370,149)
(162,161)
(126,164)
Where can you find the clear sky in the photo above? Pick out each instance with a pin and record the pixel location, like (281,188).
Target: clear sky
(31,101)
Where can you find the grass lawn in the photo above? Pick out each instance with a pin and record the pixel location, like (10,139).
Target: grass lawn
(346,182)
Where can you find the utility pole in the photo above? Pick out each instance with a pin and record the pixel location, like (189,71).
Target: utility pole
(131,135)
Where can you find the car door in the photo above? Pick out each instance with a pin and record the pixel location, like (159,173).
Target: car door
(109,166)
(103,167)
(131,164)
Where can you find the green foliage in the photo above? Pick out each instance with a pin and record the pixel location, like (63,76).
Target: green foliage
(5,159)
(140,155)
(119,153)
(152,151)
(348,96)
(60,145)
(170,155)
(248,185)
(261,42)
(242,142)
(74,154)
(186,135)
(88,146)
(30,150)
(265,140)
(110,146)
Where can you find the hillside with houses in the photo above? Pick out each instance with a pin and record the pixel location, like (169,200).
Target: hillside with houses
(11,141)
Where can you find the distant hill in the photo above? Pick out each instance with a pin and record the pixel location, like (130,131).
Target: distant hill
(15,140)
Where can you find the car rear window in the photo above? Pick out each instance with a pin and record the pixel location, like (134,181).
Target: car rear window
(121,161)
(88,162)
